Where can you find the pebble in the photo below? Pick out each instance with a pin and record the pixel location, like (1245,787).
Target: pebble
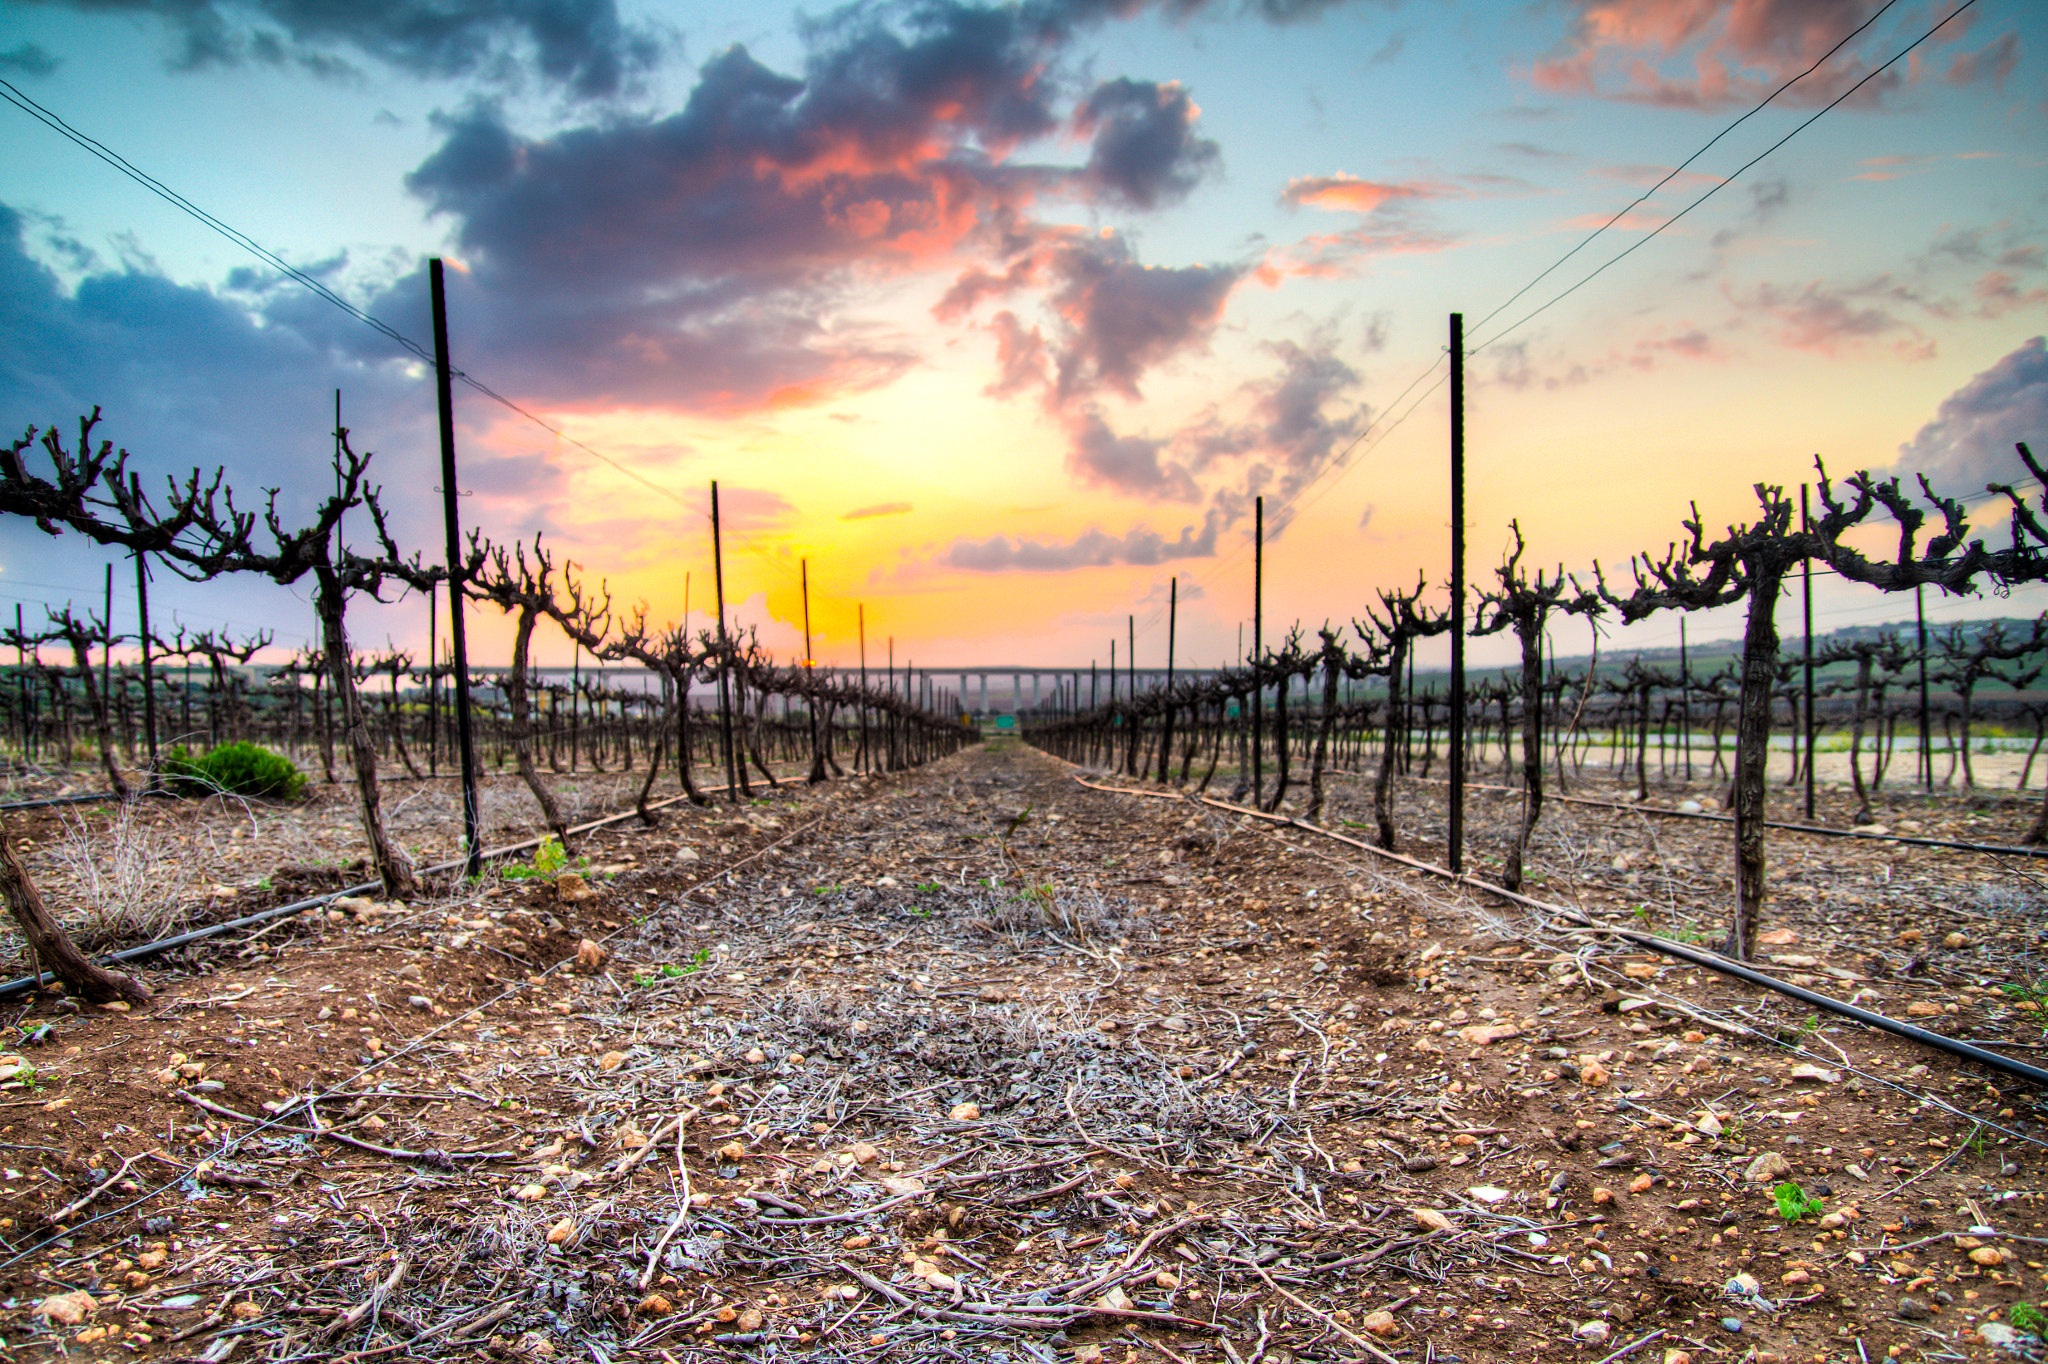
(421,1003)
(1987,1256)
(67,1309)
(1691,807)
(1769,1165)
(1914,1309)
(1593,1333)
(589,957)
(1997,1333)
(571,889)
(1821,1074)
(1743,1286)
(1732,1325)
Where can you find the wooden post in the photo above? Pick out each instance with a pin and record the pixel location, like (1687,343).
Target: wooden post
(148,672)
(1457,739)
(732,776)
(1258,636)
(472,824)
(1926,741)
(1806,592)
(1166,723)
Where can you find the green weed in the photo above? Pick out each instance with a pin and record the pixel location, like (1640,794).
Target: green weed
(1793,1203)
(2028,1317)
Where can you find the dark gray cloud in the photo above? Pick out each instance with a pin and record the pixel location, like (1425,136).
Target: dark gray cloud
(1092,549)
(1970,441)
(1131,465)
(1288,437)
(29,59)
(581,46)
(1121,318)
(1145,152)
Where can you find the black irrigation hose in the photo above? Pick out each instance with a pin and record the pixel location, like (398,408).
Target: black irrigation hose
(1712,962)
(149,949)
(2003,849)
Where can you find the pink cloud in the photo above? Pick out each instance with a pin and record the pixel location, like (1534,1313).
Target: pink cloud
(1710,54)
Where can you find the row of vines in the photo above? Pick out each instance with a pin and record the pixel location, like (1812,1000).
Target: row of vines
(1316,724)
(194,529)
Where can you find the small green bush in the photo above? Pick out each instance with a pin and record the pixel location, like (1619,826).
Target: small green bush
(237,769)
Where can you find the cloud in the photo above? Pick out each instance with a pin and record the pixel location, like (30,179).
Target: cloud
(707,258)
(1827,319)
(581,46)
(1970,441)
(1349,194)
(1713,54)
(1020,357)
(1145,152)
(1100,458)
(1120,318)
(1091,549)
(876,509)
(30,60)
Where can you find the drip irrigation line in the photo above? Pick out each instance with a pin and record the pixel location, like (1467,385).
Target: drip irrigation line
(2002,849)
(148,949)
(338,1088)
(1663,946)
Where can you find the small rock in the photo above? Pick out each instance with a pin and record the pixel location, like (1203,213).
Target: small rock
(964,1112)
(1678,1357)
(1742,1286)
(1795,1276)
(531,1193)
(420,1003)
(1858,1171)
(589,957)
(732,1151)
(1707,1125)
(410,971)
(66,1309)
(1593,1333)
(1914,1309)
(1923,1008)
(1115,1300)
(561,1231)
(1955,940)
(611,1060)
(864,1154)
(899,1185)
(1429,1219)
(1593,1075)
(1487,1193)
(1768,1166)
(1732,1325)
(1381,1324)
(755,1056)
(1641,1184)
(572,889)
(1818,1074)
(1690,807)
(246,1310)
(655,1305)
(1486,1034)
(1998,1335)
(1988,1256)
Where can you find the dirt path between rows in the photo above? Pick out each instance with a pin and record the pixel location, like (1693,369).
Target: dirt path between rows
(976,1063)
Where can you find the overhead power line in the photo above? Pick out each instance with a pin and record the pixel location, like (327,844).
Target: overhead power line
(13,95)
(1334,470)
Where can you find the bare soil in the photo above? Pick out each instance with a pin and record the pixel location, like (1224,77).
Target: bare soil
(979,1063)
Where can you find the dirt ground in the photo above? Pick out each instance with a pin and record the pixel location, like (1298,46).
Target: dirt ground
(979,1063)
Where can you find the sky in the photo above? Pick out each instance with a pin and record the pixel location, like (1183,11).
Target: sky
(993,320)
